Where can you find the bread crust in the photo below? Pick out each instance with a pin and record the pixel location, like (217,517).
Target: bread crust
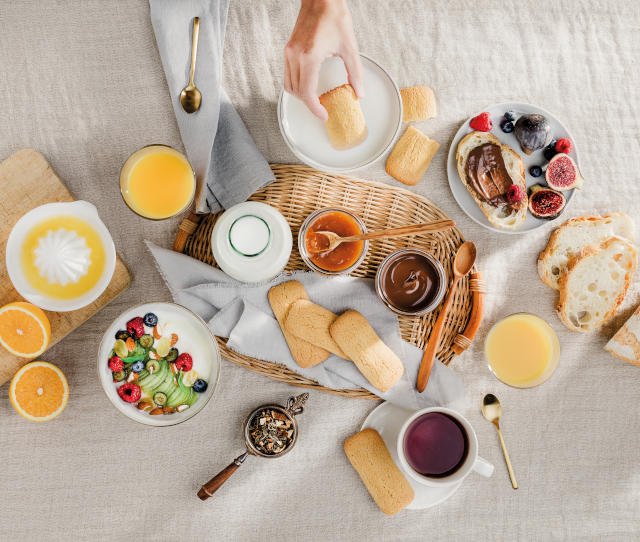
(547,253)
(586,252)
(514,222)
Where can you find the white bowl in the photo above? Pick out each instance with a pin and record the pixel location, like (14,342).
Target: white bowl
(307,137)
(79,209)
(198,332)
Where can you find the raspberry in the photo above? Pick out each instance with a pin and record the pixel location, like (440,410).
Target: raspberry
(564,145)
(515,194)
(135,327)
(116,364)
(184,362)
(481,123)
(129,392)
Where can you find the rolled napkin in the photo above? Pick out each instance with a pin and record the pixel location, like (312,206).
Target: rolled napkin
(228,166)
(242,313)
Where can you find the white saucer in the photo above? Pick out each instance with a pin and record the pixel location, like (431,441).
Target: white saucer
(307,137)
(461,194)
(387,419)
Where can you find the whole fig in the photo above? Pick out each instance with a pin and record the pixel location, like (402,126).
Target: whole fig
(533,132)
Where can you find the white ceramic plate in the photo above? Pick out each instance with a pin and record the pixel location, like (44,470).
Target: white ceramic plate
(194,337)
(307,136)
(497,111)
(387,419)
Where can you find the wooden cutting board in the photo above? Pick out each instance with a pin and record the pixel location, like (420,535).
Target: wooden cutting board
(27,181)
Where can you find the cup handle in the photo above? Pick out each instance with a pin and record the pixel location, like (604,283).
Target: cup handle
(483,467)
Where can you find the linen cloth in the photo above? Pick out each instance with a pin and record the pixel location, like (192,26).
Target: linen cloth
(242,313)
(92,91)
(229,167)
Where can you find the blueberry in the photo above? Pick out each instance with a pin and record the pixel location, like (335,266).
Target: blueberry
(150,319)
(549,152)
(507,126)
(122,335)
(137,366)
(199,386)
(535,171)
(510,115)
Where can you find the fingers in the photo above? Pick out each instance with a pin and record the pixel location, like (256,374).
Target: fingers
(287,76)
(308,86)
(353,65)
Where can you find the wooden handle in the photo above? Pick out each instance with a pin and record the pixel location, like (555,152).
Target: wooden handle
(208,489)
(434,340)
(414,229)
(463,340)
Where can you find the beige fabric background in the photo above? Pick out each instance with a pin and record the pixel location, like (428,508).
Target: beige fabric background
(82,82)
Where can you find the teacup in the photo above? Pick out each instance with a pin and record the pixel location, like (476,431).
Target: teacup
(438,447)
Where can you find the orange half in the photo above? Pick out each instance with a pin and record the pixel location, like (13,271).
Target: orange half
(24,329)
(39,391)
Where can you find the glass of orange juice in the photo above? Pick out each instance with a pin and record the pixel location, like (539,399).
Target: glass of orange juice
(157,182)
(522,350)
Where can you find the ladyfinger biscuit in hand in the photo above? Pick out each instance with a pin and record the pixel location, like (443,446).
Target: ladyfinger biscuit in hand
(346,126)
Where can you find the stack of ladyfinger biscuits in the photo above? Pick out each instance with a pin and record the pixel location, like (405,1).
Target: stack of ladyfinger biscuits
(314,332)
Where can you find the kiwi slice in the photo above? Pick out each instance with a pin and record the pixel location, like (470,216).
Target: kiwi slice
(160,398)
(146,341)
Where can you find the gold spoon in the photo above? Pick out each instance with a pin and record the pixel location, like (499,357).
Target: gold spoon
(333,239)
(190,96)
(492,410)
(462,264)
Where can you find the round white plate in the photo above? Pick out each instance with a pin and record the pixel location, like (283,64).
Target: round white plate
(307,137)
(497,111)
(387,419)
(193,333)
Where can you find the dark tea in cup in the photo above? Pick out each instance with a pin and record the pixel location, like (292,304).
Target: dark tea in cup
(435,445)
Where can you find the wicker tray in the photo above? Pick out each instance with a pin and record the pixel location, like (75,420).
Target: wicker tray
(300,190)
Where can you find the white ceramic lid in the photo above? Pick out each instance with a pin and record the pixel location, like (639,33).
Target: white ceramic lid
(307,136)
(270,261)
(62,256)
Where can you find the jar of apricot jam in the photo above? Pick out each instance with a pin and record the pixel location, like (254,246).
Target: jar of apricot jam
(345,257)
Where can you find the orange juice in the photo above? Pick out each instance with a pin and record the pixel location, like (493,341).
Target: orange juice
(522,350)
(157,182)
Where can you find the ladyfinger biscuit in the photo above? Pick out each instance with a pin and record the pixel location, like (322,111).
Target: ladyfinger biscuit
(311,322)
(346,125)
(280,298)
(386,484)
(374,359)
(411,156)
(418,103)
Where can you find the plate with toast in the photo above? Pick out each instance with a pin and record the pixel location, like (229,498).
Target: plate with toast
(513,167)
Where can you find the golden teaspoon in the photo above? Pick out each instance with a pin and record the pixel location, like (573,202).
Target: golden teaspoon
(190,96)
(492,410)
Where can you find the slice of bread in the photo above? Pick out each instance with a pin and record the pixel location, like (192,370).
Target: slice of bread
(625,344)
(385,482)
(570,238)
(346,125)
(410,157)
(418,103)
(501,217)
(595,283)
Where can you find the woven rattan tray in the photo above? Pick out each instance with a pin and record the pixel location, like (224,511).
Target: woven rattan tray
(300,190)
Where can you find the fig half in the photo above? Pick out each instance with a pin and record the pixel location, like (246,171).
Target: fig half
(545,202)
(562,173)
(533,132)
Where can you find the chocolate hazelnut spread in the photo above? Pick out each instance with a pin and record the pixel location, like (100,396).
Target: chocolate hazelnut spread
(410,282)
(487,173)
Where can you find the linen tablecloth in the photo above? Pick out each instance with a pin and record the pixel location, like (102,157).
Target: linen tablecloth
(82,82)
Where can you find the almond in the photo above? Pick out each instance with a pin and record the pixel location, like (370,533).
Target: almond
(156,411)
(144,405)
(168,410)
(181,408)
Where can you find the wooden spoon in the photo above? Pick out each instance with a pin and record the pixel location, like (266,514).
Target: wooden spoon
(333,239)
(462,264)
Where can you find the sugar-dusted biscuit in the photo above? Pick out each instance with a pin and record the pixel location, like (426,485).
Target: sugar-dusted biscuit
(359,341)
(368,454)
(418,103)
(411,156)
(280,298)
(311,322)
(346,125)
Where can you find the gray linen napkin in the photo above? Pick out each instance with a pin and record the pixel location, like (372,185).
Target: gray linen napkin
(241,312)
(229,167)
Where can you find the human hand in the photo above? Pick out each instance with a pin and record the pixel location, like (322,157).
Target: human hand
(323,29)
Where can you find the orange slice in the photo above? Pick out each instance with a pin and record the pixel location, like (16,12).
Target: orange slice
(39,391)
(24,329)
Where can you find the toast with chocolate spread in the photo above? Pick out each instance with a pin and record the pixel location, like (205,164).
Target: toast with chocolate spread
(493,174)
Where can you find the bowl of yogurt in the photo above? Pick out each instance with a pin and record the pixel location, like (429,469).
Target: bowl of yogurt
(159,363)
